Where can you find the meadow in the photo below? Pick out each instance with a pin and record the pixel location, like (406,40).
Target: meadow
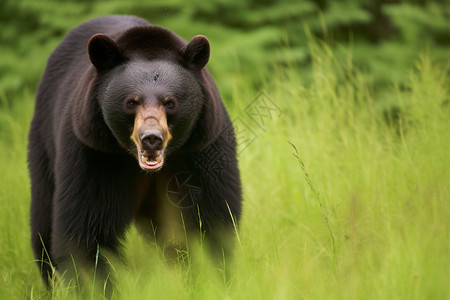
(343,198)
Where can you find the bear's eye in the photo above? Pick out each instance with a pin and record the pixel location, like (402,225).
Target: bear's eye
(132,103)
(169,103)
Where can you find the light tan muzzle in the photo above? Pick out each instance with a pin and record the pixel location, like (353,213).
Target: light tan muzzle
(151,136)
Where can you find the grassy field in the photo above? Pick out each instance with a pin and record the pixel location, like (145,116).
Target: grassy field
(343,199)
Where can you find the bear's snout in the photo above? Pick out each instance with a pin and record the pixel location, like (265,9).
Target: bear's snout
(152,140)
(151,136)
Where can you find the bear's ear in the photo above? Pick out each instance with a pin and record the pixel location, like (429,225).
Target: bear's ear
(196,52)
(103,52)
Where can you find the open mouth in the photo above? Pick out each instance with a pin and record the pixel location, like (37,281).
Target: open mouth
(151,160)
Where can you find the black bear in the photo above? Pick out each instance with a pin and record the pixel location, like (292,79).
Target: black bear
(128,126)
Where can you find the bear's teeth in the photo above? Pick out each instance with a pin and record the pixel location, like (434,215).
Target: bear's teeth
(151,161)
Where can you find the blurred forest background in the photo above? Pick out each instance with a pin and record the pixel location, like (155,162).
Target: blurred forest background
(248,37)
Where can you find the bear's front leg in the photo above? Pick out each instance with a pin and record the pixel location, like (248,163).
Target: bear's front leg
(92,207)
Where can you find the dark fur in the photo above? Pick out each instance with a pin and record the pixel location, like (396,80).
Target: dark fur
(86,183)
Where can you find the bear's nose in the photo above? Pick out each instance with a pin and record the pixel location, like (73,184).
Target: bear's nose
(152,140)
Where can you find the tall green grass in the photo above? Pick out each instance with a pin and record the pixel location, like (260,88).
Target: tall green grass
(343,198)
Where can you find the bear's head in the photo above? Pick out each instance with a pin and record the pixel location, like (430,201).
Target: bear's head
(150,95)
